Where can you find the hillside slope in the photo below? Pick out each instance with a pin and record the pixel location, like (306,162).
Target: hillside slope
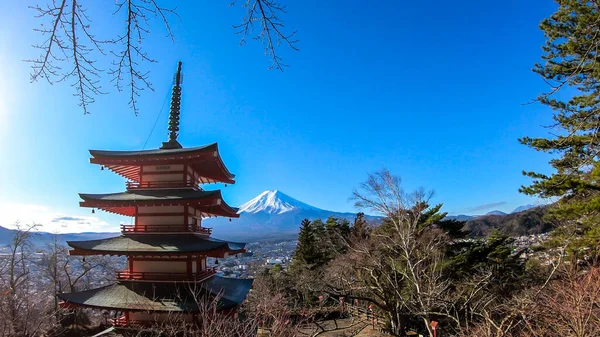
(527,222)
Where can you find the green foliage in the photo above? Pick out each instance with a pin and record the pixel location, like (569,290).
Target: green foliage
(493,254)
(319,243)
(420,214)
(571,60)
(453,228)
(360,229)
(307,252)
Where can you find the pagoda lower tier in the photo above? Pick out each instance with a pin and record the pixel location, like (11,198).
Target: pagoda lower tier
(143,303)
(167,278)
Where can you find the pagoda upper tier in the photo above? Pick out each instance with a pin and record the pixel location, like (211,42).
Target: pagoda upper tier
(198,165)
(199,203)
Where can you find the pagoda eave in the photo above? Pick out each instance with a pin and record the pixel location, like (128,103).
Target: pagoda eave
(130,210)
(210,175)
(209,203)
(218,253)
(183,244)
(206,161)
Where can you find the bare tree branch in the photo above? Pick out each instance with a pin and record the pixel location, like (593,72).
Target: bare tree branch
(266,13)
(71,50)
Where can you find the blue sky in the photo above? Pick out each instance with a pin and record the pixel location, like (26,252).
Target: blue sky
(434,91)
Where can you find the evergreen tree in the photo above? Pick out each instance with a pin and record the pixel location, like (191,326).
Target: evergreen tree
(332,226)
(494,254)
(319,230)
(306,250)
(454,228)
(571,60)
(344,228)
(359,229)
(338,232)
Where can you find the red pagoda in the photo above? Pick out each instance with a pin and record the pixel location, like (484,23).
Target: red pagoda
(166,246)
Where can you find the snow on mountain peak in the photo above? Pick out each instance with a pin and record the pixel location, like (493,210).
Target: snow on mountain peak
(273,202)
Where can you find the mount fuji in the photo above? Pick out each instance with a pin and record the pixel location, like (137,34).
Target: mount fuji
(274,202)
(270,215)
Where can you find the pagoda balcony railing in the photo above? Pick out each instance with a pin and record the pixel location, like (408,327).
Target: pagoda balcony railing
(124,275)
(132,185)
(121,321)
(133,229)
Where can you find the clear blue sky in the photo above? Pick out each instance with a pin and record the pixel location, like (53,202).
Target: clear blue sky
(432,90)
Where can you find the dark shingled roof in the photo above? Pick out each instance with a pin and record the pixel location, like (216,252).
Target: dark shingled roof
(153,152)
(144,296)
(157,244)
(152,195)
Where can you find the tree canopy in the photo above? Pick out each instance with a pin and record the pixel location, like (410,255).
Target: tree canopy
(569,63)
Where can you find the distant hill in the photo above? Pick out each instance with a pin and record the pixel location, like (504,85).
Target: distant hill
(270,215)
(461,217)
(41,239)
(524,208)
(525,222)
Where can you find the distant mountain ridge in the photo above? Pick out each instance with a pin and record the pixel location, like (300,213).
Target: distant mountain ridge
(43,238)
(464,217)
(275,215)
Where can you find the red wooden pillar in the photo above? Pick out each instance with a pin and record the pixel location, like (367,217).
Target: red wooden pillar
(130,262)
(185,218)
(189,266)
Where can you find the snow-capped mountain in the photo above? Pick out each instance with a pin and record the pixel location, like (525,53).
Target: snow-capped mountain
(270,214)
(274,202)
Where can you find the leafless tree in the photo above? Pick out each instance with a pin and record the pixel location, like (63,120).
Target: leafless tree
(271,315)
(64,273)
(23,306)
(398,269)
(73,52)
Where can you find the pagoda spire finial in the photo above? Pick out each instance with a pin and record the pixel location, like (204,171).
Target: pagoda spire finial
(174,112)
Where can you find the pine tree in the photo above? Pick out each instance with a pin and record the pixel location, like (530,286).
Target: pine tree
(359,229)
(338,232)
(571,60)
(305,252)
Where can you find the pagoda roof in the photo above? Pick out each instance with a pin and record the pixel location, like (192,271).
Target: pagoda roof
(169,297)
(155,244)
(208,202)
(205,160)
(155,152)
